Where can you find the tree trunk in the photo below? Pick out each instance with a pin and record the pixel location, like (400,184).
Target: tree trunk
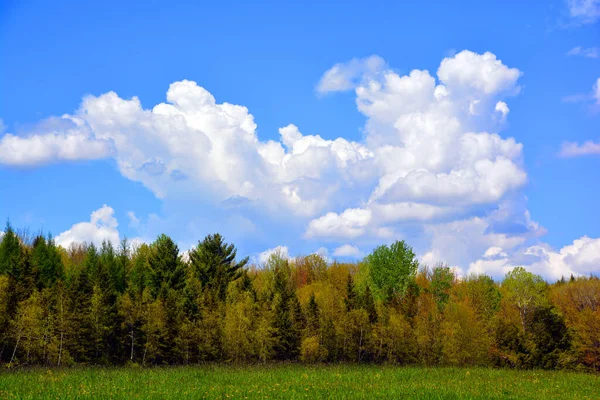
(360,344)
(60,348)
(132,341)
(15,350)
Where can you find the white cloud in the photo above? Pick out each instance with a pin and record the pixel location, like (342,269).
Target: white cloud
(195,147)
(494,251)
(432,166)
(433,153)
(349,224)
(70,140)
(134,221)
(346,76)
(482,73)
(580,258)
(572,149)
(347,250)
(102,226)
(502,108)
(282,251)
(593,97)
(584,11)
(589,52)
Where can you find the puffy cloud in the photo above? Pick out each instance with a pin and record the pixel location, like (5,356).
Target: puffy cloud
(572,149)
(580,258)
(347,250)
(193,146)
(482,73)
(70,140)
(264,256)
(502,108)
(494,251)
(346,76)
(434,155)
(589,52)
(432,166)
(102,226)
(349,224)
(584,11)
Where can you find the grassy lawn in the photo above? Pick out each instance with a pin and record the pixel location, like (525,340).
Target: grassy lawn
(296,382)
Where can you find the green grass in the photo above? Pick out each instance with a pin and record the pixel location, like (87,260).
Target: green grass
(296,382)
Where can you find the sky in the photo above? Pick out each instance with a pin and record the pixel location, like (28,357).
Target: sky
(469,129)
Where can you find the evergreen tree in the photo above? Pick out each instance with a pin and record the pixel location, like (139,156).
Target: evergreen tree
(368,304)
(351,300)
(46,262)
(288,337)
(214,262)
(313,315)
(167,269)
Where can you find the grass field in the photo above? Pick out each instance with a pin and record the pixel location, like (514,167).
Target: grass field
(296,382)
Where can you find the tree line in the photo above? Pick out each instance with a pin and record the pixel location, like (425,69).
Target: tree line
(152,306)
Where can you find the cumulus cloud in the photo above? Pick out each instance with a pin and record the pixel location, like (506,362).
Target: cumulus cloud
(433,166)
(102,226)
(282,251)
(502,108)
(69,139)
(482,73)
(346,76)
(434,154)
(349,224)
(580,258)
(347,250)
(589,52)
(193,146)
(584,11)
(572,149)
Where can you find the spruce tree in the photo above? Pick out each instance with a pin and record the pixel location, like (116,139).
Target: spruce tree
(167,269)
(351,300)
(214,262)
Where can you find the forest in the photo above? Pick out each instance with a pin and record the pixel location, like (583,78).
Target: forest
(155,305)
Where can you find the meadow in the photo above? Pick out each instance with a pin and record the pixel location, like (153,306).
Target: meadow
(295,381)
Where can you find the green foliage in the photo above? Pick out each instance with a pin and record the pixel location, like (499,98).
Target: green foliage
(46,262)
(526,291)
(150,306)
(391,268)
(214,262)
(167,271)
(298,381)
(441,283)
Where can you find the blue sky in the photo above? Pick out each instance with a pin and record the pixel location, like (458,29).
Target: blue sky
(308,65)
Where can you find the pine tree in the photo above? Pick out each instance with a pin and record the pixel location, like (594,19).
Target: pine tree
(46,262)
(368,304)
(214,263)
(351,300)
(288,337)
(313,315)
(167,269)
